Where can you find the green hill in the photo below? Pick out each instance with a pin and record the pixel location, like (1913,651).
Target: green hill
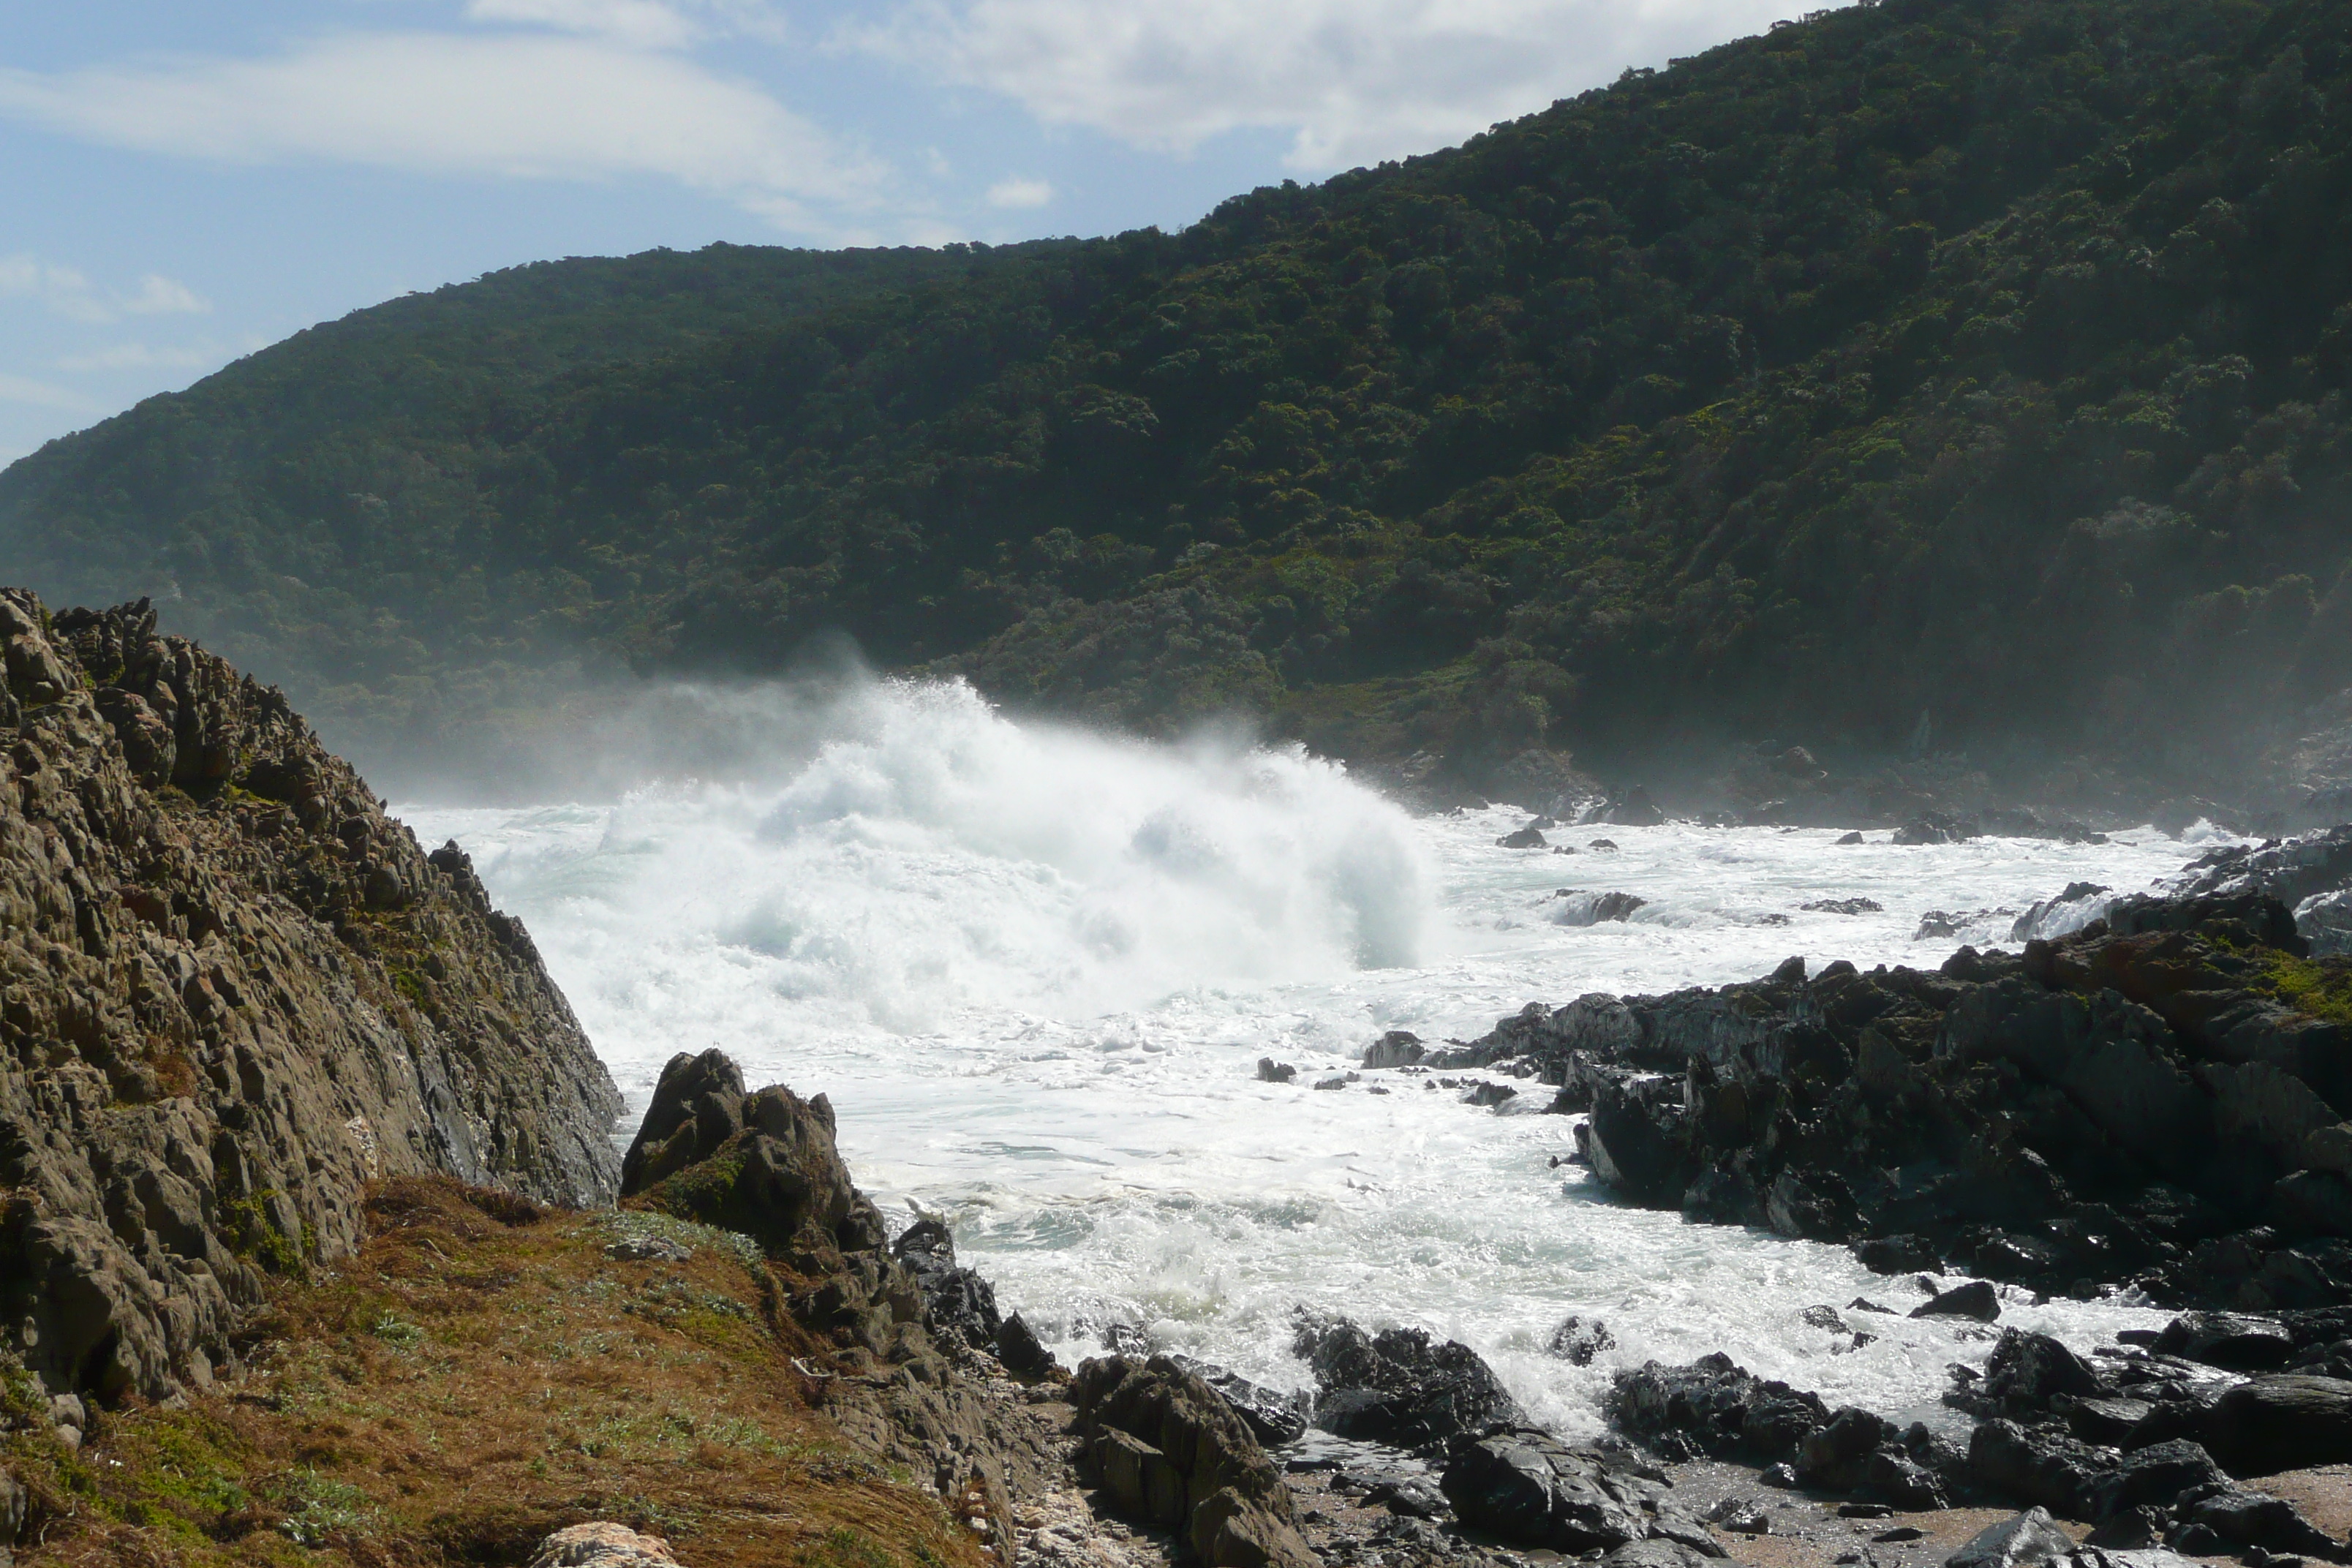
(1980,357)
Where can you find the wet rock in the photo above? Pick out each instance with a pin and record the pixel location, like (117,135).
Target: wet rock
(1899,1255)
(1525,1486)
(1490,1094)
(2110,1422)
(1577,908)
(2156,1474)
(1850,838)
(1935,827)
(1396,1048)
(1271,1071)
(1714,1406)
(1167,1450)
(602,1545)
(2040,1465)
(1976,1299)
(1634,808)
(1274,1417)
(959,1306)
(2031,1538)
(2283,1422)
(2247,1519)
(2027,1373)
(1845,906)
(1399,1387)
(1577,1340)
(1523,838)
(2228,1340)
(1021,1352)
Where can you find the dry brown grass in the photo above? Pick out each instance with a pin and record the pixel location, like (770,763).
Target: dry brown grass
(480,1374)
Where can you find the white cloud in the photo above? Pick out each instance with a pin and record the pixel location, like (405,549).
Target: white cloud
(521,106)
(17,389)
(62,290)
(1020,193)
(641,24)
(138,356)
(161,296)
(1351,80)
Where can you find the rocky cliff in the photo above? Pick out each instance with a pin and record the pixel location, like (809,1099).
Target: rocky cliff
(233,992)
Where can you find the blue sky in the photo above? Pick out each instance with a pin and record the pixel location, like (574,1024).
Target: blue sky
(185,181)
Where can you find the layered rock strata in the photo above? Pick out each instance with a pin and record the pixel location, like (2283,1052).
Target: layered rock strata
(233,992)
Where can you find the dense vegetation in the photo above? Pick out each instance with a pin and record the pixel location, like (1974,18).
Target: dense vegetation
(1985,357)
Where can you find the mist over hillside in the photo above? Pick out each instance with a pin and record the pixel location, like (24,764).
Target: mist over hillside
(1983,362)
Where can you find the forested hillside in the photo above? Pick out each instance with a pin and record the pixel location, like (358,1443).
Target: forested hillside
(1980,357)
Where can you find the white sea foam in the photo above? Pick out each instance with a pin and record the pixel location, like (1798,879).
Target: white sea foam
(1035,968)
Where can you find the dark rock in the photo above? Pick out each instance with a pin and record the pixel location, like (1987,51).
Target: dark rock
(1411,1497)
(1590,908)
(1832,1455)
(697,1106)
(1524,838)
(1528,1488)
(1899,1255)
(1717,1408)
(2254,1519)
(2032,1537)
(2110,1422)
(1658,1553)
(2027,1372)
(1845,906)
(1976,1299)
(1271,1071)
(959,1306)
(1577,1340)
(2038,1465)
(2156,1474)
(1167,1451)
(1399,1387)
(1394,1049)
(2228,1340)
(1634,808)
(1274,1417)
(1605,846)
(1637,1143)
(1850,838)
(2283,1422)
(1022,1352)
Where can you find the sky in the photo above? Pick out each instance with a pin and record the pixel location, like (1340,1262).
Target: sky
(183,181)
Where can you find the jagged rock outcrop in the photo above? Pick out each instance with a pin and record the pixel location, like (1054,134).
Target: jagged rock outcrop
(1399,1386)
(1170,1451)
(233,992)
(766,1164)
(2163,1097)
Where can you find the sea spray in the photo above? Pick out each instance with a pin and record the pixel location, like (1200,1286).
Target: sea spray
(1034,967)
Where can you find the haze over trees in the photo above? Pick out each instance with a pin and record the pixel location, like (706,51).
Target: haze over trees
(1980,357)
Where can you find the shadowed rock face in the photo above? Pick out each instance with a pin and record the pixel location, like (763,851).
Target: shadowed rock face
(232,992)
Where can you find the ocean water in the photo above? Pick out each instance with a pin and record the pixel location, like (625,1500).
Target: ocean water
(1035,969)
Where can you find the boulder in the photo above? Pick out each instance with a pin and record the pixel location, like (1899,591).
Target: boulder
(1274,1417)
(2027,1371)
(1272,1071)
(2040,1465)
(1021,1352)
(1977,1299)
(2231,1341)
(1713,1406)
(1634,808)
(697,1106)
(2284,1422)
(1168,1451)
(1397,1048)
(1399,1387)
(1577,1340)
(1525,1486)
(1638,1143)
(2031,1538)
(2156,1474)
(1523,838)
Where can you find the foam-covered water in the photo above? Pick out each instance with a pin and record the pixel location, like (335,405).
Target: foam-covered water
(1035,969)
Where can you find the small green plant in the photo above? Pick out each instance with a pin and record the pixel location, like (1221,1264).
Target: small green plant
(401,1336)
(319,1508)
